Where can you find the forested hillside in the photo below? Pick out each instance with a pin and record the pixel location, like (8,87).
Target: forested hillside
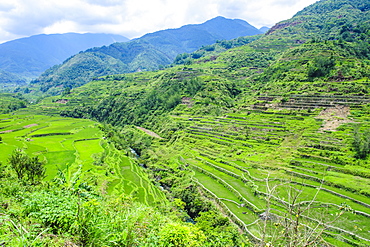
(150,52)
(262,143)
(10,80)
(29,57)
(243,71)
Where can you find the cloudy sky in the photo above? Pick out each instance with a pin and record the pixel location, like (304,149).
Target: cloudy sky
(132,18)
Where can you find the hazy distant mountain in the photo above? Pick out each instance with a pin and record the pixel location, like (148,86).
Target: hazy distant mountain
(264,29)
(29,57)
(8,79)
(191,37)
(146,53)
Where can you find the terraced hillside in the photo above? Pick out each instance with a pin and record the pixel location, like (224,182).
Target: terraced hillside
(239,158)
(252,147)
(277,136)
(10,102)
(260,152)
(76,148)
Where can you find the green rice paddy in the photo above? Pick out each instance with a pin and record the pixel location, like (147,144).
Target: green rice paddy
(246,154)
(76,143)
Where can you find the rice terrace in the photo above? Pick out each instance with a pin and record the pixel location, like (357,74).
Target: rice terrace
(74,144)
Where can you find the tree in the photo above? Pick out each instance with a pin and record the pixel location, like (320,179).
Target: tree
(321,66)
(218,229)
(291,219)
(176,234)
(26,168)
(18,162)
(361,143)
(66,91)
(35,169)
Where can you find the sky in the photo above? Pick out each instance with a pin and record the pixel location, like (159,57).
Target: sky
(133,18)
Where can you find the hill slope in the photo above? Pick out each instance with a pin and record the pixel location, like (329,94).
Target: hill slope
(8,79)
(326,20)
(146,53)
(29,57)
(191,37)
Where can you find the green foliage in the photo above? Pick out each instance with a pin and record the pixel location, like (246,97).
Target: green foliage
(210,52)
(331,5)
(321,66)
(182,188)
(11,102)
(43,212)
(73,182)
(317,61)
(26,168)
(66,91)
(218,229)
(361,143)
(140,104)
(58,210)
(127,137)
(180,235)
(270,108)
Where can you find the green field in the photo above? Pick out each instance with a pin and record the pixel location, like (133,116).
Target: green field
(70,144)
(58,141)
(240,157)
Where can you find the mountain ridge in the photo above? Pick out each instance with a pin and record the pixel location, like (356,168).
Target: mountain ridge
(30,56)
(265,61)
(148,52)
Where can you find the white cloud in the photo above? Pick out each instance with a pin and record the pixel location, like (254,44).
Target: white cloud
(132,18)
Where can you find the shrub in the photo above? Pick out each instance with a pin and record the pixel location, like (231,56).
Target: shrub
(55,210)
(26,168)
(361,143)
(175,234)
(321,66)
(218,229)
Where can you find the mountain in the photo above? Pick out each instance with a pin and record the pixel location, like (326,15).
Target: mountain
(191,37)
(212,51)
(325,20)
(264,29)
(149,52)
(10,80)
(29,57)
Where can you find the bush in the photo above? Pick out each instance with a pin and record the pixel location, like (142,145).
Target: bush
(321,67)
(53,209)
(218,229)
(26,168)
(174,234)
(361,143)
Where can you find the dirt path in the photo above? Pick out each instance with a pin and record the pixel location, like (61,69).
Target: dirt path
(151,133)
(334,117)
(29,126)
(25,127)
(6,131)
